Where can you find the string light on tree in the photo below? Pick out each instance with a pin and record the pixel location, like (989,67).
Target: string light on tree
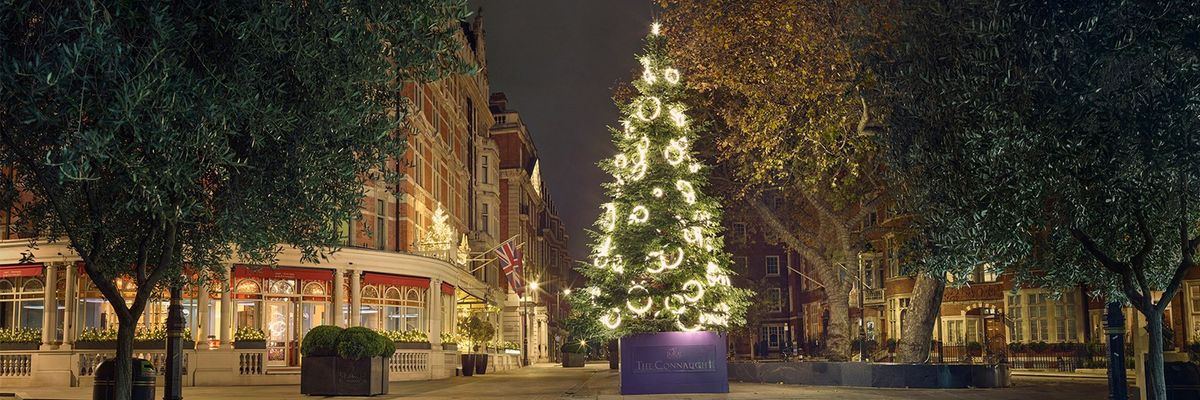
(657,274)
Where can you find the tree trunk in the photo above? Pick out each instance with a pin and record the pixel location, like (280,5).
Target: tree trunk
(913,346)
(837,341)
(124,369)
(1155,381)
(753,346)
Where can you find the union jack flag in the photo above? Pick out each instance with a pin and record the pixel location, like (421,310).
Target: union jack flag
(513,265)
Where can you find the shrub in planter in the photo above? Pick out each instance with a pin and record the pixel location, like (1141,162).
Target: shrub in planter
(574,354)
(92,338)
(340,362)
(412,339)
(1039,347)
(1016,347)
(450,341)
(974,348)
(248,337)
(477,333)
(20,338)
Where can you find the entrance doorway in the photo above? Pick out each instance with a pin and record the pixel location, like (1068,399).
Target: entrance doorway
(281,337)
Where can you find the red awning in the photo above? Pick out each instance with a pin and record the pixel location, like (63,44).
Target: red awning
(398,280)
(12,271)
(308,274)
(447,288)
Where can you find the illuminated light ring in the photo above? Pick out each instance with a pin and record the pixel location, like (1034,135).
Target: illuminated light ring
(675,152)
(607,318)
(694,168)
(627,128)
(678,299)
(641,108)
(644,308)
(679,324)
(677,116)
(610,220)
(671,75)
(655,28)
(693,235)
(656,192)
(662,259)
(617,264)
(593,291)
(697,294)
(639,171)
(648,75)
(715,276)
(662,266)
(686,189)
(639,214)
(605,246)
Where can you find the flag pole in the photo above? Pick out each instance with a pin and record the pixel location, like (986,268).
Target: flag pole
(525,320)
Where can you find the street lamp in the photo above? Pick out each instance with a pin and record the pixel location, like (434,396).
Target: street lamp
(533,285)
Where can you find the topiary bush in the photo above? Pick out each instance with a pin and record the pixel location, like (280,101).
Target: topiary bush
(358,343)
(321,341)
(387,346)
(574,347)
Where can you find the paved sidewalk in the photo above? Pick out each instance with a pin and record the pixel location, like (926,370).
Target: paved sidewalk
(596,381)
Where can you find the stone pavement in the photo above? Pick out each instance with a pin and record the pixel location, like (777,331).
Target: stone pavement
(546,381)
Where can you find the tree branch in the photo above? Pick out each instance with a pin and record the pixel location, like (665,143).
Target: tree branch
(1119,268)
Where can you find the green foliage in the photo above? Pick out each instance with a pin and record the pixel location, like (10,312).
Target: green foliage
(410,336)
(321,341)
(356,343)
(450,338)
(147,135)
(20,335)
(475,331)
(249,334)
(661,231)
(98,335)
(386,347)
(577,347)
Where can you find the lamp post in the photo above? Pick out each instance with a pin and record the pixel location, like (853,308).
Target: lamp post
(173,382)
(533,286)
(1114,328)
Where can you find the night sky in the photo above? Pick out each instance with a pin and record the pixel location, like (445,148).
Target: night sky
(558,60)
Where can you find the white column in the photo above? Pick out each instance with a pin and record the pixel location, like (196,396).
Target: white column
(226,328)
(72,301)
(433,308)
(338,298)
(355,297)
(200,336)
(50,307)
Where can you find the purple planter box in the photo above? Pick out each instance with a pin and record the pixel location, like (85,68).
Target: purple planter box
(674,362)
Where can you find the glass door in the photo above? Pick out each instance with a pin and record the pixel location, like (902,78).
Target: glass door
(279,332)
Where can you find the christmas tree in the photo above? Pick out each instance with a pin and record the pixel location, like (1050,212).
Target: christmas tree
(657,262)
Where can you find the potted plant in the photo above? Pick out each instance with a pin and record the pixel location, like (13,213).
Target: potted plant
(574,354)
(449,341)
(477,333)
(248,337)
(974,349)
(155,338)
(93,338)
(411,339)
(20,338)
(344,362)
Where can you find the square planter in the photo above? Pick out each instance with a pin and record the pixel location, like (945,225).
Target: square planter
(250,345)
(413,346)
(20,346)
(336,376)
(450,346)
(573,360)
(673,362)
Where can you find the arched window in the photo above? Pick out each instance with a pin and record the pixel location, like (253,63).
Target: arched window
(247,286)
(283,286)
(314,289)
(6,286)
(370,292)
(32,285)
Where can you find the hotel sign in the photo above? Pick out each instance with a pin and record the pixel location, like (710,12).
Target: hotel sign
(976,292)
(673,362)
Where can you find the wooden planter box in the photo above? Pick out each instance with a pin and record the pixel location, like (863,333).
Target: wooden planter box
(413,346)
(336,376)
(573,360)
(450,346)
(250,345)
(20,346)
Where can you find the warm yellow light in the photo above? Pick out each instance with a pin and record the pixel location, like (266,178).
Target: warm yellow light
(567,291)
(533,285)
(654,28)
